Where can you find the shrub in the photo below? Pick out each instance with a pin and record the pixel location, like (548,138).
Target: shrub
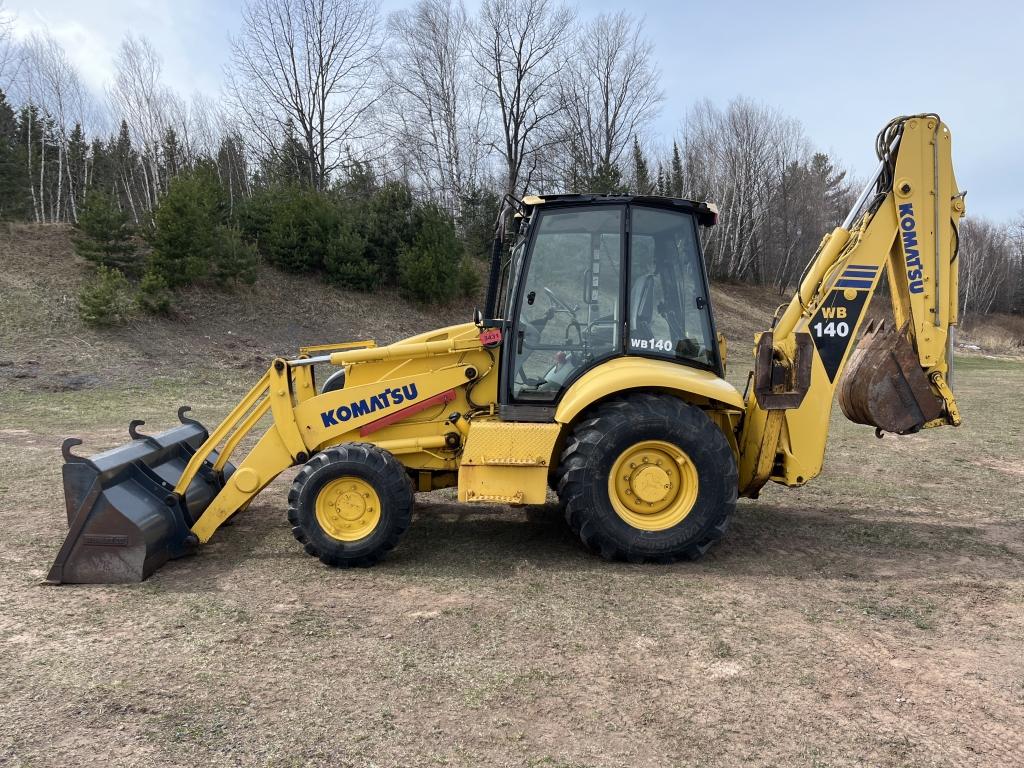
(154,294)
(391,222)
(468,282)
(234,260)
(346,263)
(105,298)
(429,268)
(293,227)
(185,238)
(103,234)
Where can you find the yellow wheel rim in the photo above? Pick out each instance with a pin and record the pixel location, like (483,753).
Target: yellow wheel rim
(653,485)
(348,509)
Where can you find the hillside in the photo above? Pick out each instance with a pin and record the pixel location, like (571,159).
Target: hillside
(43,340)
(44,344)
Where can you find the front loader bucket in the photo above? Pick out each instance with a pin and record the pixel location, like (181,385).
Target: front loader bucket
(885,386)
(124,518)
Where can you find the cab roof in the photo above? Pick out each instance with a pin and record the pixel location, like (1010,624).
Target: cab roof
(706,213)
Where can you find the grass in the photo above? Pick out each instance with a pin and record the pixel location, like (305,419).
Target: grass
(489,637)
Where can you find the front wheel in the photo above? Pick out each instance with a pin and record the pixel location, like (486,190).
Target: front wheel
(350,504)
(648,477)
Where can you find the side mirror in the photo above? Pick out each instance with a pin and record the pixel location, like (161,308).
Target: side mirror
(478,318)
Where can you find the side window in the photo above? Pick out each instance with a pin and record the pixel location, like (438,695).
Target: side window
(669,313)
(569,314)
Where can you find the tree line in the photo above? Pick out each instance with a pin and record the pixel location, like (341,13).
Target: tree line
(329,108)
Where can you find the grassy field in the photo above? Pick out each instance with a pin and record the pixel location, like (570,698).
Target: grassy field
(872,618)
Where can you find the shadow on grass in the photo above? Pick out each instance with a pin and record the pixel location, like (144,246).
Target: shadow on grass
(449,541)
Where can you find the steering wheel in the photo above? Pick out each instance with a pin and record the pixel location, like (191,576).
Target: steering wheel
(563,304)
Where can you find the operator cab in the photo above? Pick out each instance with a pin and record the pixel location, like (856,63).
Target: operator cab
(592,277)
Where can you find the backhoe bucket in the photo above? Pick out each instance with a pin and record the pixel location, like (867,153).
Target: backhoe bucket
(885,386)
(124,518)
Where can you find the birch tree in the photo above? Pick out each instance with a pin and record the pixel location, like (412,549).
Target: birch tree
(139,96)
(52,87)
(986,266)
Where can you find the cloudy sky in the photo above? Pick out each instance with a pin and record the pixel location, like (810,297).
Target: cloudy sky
(842,69)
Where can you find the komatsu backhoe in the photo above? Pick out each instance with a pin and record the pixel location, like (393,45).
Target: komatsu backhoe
(594,370)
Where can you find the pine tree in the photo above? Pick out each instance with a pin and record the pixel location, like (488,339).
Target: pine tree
(675,181)
(185,237)
(478,211)
(234,260)
(103,235)
(605,179)
(15,202)
(391,227)
(171,155)
(662,183)
(430,266)
(100,168)
(641,173)
(77,170)
(124,161)
(290,161)
(105,298)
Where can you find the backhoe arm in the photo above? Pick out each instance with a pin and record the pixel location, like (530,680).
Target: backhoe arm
(897,380)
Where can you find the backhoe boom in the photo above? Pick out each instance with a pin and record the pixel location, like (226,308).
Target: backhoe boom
(897,380)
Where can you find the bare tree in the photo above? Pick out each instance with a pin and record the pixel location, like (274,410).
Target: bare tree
(520,45)
(737,157)
(139,96)
(9,52)
(609,92)
(311,62)
(986,266)
(433,113)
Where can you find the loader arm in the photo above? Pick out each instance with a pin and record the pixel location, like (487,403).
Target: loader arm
(897,379)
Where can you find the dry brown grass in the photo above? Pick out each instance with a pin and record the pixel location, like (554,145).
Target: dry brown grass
(995,334)
(874,617)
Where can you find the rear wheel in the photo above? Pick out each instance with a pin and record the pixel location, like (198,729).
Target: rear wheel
(648,477)
(350,504)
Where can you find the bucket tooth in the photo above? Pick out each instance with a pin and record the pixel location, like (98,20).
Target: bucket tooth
(885,386)
(124,519)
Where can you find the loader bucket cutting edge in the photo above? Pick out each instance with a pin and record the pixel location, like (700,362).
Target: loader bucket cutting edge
(124,518)
(885,386)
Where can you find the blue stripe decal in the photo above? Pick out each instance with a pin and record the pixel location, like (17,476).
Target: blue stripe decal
(866,267)
(858,272)
(846,283)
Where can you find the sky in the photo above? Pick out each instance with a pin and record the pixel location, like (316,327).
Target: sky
(842,69)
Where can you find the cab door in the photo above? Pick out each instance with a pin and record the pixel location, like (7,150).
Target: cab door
(569,306)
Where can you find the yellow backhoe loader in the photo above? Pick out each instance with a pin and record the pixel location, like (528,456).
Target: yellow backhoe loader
(594,370)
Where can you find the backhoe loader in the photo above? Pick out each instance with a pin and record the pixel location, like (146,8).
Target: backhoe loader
(595,370)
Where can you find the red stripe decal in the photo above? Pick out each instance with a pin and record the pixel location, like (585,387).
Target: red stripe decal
(391,418)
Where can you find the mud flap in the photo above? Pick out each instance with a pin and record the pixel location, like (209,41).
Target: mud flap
(884,385)
(124,518)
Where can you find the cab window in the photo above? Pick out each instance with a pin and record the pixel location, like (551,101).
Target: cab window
(669,311)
